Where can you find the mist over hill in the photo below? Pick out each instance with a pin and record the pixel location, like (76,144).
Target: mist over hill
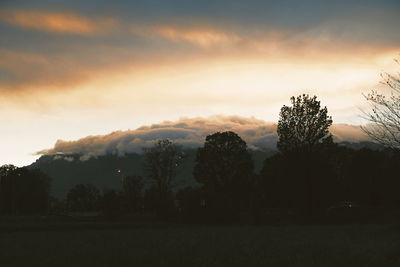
(96,159)
(101,171)
(190,133)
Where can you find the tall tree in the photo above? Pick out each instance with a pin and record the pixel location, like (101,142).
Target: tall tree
(385,114)
(304,125)
(300,177)
(224,166)
(162,161)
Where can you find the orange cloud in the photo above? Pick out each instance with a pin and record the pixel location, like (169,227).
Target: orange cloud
(202,37)
(67,23)
(30,69)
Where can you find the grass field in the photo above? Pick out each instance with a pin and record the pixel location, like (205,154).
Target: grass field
(162,244)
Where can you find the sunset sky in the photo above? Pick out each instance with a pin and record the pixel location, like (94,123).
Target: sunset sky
(69,69)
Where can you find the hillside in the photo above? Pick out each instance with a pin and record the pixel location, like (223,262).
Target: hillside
(67,171)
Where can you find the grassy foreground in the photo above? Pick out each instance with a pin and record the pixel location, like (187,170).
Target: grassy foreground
(106,244)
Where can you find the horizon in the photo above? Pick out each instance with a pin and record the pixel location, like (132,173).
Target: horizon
(72,69)
(188,132)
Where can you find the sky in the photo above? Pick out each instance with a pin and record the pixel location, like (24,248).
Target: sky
(71,69)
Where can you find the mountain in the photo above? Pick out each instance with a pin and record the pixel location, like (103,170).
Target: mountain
(96,159)
(190,133)
(68,170)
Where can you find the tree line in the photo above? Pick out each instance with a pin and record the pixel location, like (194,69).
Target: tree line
(310,178)
(23,191)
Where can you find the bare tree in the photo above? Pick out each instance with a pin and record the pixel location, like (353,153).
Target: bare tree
(161,162)
(385,114)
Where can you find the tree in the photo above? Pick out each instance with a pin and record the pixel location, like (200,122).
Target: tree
(224,166)
(83,198)
(190,202)
(5,171)
(303,126)
(162,161)
(300,182)
(110,204)
(300,177)
(23,190)
(133,192)
(385,114)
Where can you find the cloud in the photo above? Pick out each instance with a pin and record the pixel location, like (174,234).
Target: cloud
(175,32)
(201,37)
(57,22)
(29,72)
(188,132)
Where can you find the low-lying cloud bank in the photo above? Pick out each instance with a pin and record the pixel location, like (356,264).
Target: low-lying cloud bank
(188,132)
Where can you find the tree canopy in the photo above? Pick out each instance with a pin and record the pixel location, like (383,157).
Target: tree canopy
(161,163)
(304,125)
(224,166)
(224,162)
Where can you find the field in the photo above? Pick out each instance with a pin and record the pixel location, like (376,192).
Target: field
(165,244)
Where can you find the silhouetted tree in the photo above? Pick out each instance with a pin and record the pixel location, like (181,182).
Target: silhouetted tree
(151,199)
(191,204)
(391,181)
(23,190)
(57,206)
(5,188)
(161,164)
(224,166)
(304,183)
(83,198)
(304,125)
(156,204)
(367,177)
(6,170)
(385,114)
(301,178)
(133,193)
(110,204)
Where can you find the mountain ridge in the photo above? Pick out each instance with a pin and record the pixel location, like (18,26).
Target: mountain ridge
(96,159)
